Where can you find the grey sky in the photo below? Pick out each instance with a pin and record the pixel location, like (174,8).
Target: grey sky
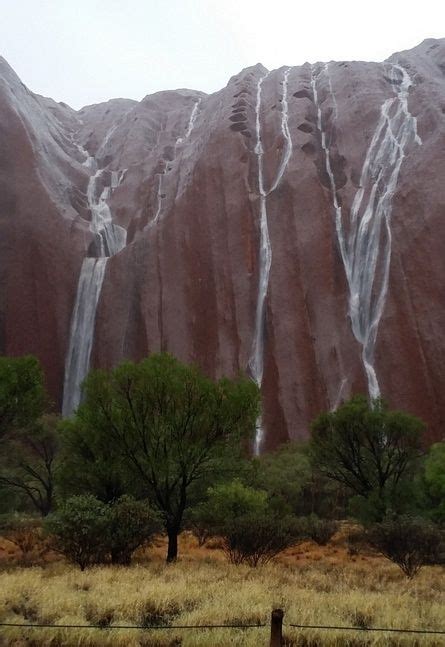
(86,51)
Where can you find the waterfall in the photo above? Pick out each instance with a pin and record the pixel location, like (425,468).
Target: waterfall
(191,123)
(110,239)
(82,331)
(365,244)
(256,362)
(180,140)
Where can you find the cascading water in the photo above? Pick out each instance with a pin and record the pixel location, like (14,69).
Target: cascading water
(191,123)
(365,244)
(110,239)
(159,195)
(82,330)
(180,140)
(256,362)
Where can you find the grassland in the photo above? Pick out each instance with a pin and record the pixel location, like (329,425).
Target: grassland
(312,585)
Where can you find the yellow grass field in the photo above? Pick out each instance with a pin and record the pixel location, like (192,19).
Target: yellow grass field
(313,585)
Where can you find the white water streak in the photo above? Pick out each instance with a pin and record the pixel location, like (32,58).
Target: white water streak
(82,331)
(180,140)
(159,195)
(256,362)
(110,239)
(365,245)
(191,123)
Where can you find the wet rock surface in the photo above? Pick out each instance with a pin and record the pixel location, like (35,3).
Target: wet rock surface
(181,174)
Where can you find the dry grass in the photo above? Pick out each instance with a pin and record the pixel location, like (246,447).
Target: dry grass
(314,586)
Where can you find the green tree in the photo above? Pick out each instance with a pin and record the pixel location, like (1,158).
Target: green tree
(29,461)
(434,481)
(87,451)
(22,394)
(294,485)
(171,425)
(369,449)
(285,475)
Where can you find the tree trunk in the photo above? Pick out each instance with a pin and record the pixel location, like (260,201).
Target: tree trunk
(172,551)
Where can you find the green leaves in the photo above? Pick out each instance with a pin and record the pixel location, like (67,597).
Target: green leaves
(369,449)
(165,424)
(22,395)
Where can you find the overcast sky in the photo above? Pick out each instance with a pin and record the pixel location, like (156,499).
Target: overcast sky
(87,51)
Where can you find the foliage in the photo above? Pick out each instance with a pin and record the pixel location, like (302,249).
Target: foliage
(231,501)
(251,530)
(285,475)
(79,527)
(369,449)
(28,462)
(88,531)
(171,425)
(88,452)
(434,481)
(131,524)
(409,542)
(256,538)
(320,530)
(22,395)
(294,485)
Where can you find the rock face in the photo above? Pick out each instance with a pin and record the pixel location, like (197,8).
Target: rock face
(291,225)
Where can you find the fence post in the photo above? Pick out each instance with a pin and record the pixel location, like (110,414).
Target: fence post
(276,628)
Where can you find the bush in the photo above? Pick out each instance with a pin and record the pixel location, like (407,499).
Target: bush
(199,530)
(131,525)
(79,529)
(320,530)
(250,529)
(26,533)
(89,532)
(408,542)
(257,538)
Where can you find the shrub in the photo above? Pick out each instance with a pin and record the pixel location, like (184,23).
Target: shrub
(408,542)
(131,524)
(257,538)
(79,529)
(88,531)
(320,530)
(26,533)
(200,531)
(250,529)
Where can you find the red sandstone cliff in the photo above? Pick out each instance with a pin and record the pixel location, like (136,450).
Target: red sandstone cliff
(183,168)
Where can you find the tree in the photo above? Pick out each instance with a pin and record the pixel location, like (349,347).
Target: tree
(22,395)
(251,530)
(285,475)
(87,452)
(369,449)
(408,542)
(28,462)
(434,481)
(172,426)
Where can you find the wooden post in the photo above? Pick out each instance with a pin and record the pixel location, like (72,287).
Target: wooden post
(276,628)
